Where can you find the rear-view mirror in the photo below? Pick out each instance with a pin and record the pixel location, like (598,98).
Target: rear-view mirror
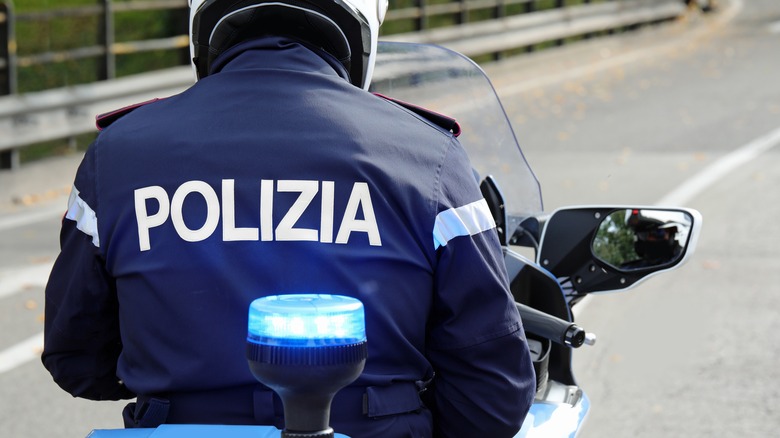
(638,239)
(610,248)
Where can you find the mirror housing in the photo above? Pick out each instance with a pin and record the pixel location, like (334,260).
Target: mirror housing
(610,248)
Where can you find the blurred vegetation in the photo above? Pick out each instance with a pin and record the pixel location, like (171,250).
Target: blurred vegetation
(78,31)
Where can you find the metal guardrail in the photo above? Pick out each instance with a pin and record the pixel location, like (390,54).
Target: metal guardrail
(480,38)
(66,112)
(61,113)
(412,15)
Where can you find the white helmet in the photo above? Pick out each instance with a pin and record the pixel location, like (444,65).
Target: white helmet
(347,29)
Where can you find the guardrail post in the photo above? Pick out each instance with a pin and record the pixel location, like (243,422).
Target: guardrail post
(422,20)
(530,7)
(559,4)
(9,159)
(499,12)
(7,50)
(463,13)
(179,21)
(107,66)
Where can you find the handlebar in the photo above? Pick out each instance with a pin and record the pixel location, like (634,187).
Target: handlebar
(556,329)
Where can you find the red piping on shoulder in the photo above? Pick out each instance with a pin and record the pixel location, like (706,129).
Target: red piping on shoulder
(104,120)
(445,122)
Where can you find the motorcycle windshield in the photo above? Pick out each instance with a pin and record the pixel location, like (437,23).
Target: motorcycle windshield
(449,83)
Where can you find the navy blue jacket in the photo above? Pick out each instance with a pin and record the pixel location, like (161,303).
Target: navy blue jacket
(275,175)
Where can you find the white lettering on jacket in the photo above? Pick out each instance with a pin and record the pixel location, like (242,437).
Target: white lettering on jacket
(285,230)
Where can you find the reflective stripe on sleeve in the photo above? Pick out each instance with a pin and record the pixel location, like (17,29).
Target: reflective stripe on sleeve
(467,220)
(84,216)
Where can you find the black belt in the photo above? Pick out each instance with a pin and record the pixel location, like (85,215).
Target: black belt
(228,406)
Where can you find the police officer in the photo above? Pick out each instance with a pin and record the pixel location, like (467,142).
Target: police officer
(278,173)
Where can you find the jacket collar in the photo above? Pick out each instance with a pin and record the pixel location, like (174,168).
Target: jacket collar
(278,53)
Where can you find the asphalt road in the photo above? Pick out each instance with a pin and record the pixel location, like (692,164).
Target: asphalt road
(678,115)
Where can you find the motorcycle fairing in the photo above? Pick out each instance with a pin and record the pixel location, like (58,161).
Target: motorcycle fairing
(549,419)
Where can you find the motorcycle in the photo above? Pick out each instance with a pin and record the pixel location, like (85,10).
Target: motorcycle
(554,261)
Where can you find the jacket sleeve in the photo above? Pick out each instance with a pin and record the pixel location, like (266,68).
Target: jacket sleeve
(484,380)
(81,332)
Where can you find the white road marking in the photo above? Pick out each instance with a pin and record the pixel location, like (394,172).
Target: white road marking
(774,27)
(22,219)
(720,168)
(21,353)
(16,279)
(13,281)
